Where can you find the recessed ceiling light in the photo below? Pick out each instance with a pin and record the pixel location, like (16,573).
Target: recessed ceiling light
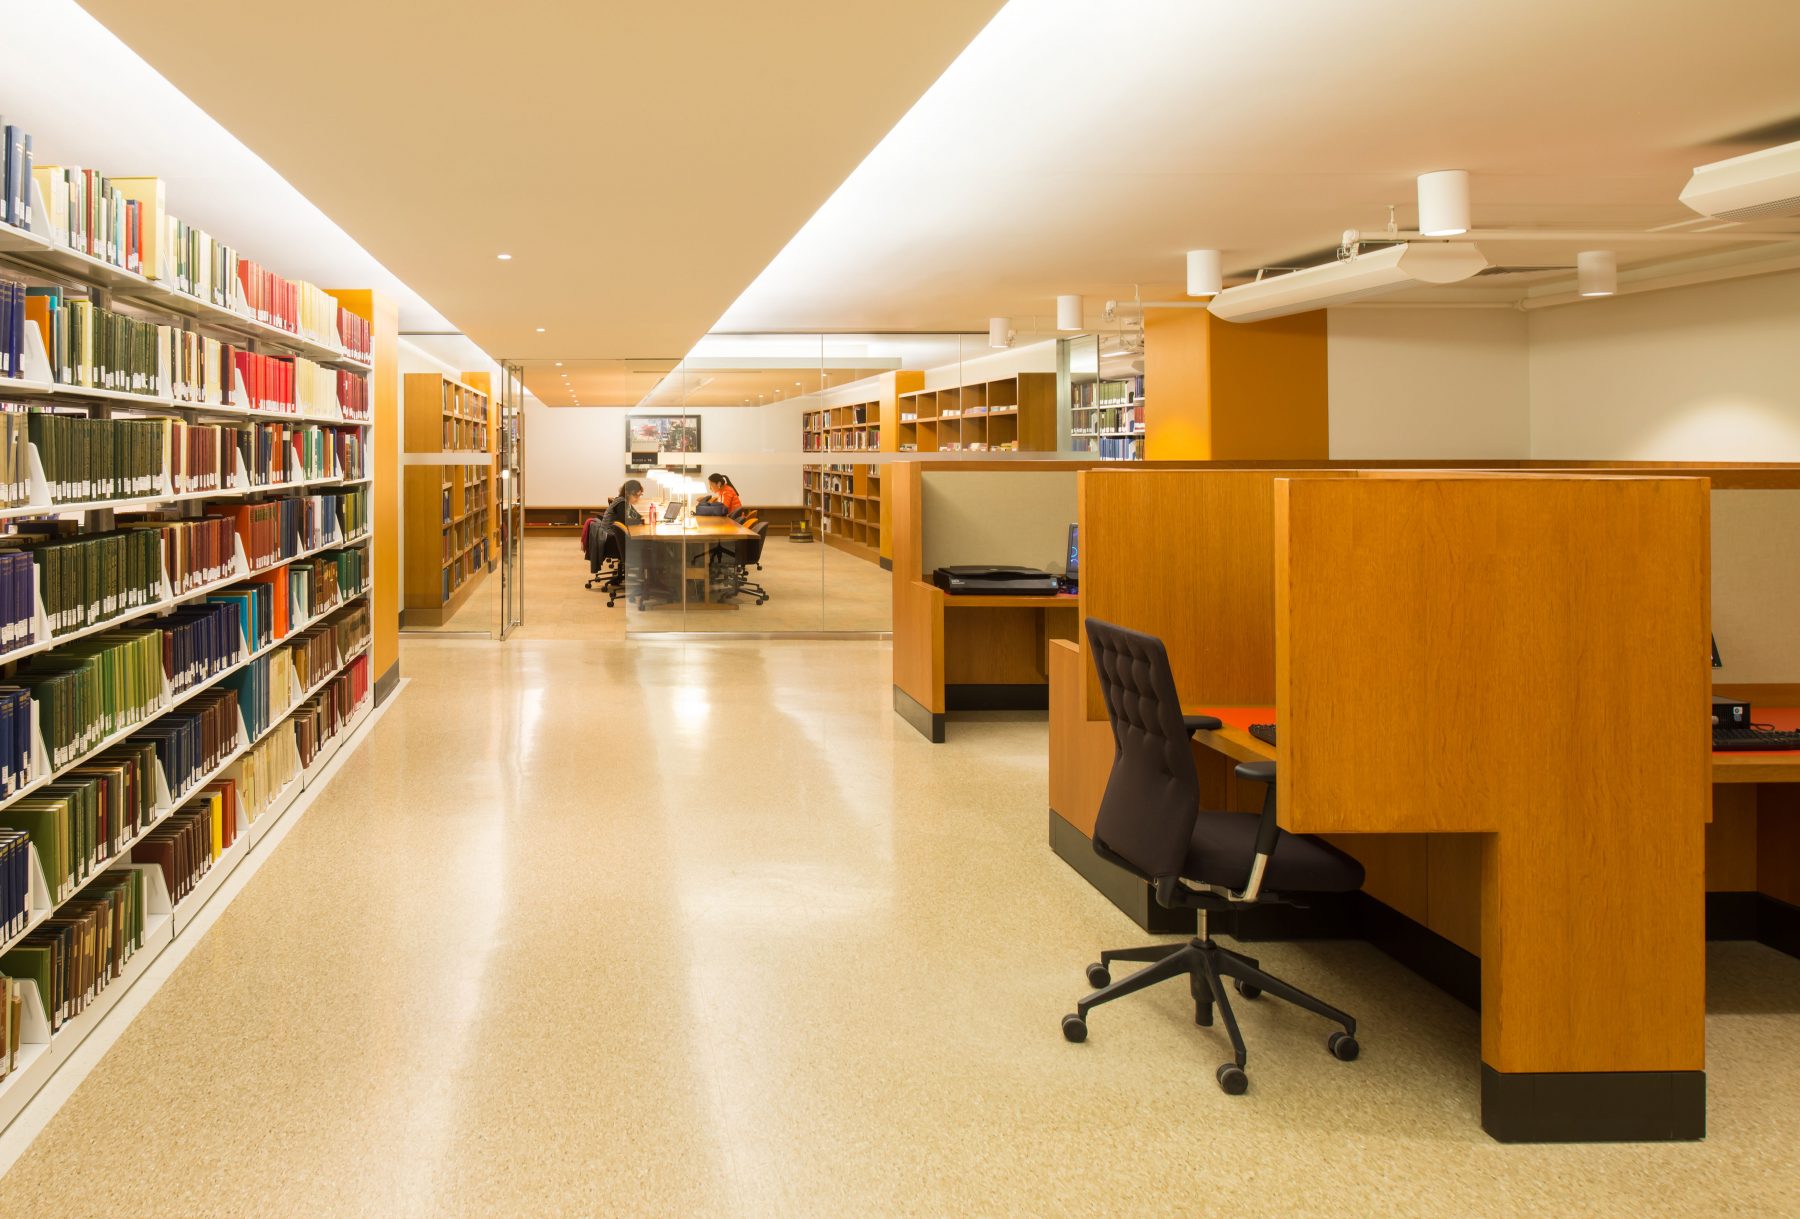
(504,257)
(540,330)
(559,365)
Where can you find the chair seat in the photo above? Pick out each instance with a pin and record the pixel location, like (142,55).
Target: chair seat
(1222,842)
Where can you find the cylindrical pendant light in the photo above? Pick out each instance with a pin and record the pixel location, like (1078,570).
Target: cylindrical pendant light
(1596,273)
(1068,312)
(1444,203)
(999,332)
(1206,273)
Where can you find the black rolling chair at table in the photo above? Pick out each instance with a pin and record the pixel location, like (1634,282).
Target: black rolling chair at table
(1150,824)
(605,547)
(735,563)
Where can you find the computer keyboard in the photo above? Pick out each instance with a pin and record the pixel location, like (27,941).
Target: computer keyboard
(1745,739)
(1263,732)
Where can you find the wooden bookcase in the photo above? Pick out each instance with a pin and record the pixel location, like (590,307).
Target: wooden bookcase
(449,514)
(1012,415)
(843,501)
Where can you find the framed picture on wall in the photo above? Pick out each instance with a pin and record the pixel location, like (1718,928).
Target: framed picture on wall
(648,435)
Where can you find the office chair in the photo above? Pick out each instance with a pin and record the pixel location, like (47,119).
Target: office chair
(606,559)
(1150,824)
(735,564)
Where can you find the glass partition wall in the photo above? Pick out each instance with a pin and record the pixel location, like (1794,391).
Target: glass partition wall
(803,431)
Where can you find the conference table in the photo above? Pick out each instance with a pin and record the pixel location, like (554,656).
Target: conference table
(660,560)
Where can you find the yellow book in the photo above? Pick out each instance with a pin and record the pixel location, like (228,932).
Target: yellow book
(148,192)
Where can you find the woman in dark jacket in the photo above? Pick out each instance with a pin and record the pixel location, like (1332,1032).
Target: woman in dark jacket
(623,509)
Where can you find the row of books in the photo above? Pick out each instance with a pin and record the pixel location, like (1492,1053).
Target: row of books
(125,223)
(85,946)
(93,688)
(84,820)
(324,715)
(196,738)
(279,529)
(15,882)
(1106,393)
(91,347)
(1112,448)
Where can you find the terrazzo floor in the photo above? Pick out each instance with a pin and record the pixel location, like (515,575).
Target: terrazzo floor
(594,927)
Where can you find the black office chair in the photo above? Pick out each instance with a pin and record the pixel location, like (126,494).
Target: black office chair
(606,558)
(735,563)
(1150,824)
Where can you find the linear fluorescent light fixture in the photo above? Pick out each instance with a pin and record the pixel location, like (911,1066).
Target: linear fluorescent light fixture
(1349,279)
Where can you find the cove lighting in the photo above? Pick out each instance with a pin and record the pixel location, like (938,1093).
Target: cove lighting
(1349,279)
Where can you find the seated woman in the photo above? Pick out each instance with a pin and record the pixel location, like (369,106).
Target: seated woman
(623,509)
(723,493)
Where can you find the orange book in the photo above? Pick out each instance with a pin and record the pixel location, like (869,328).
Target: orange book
(278,590)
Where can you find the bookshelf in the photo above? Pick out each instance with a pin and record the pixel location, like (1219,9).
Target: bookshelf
(187,507)
(449,511)
(842,501)
(842,498)
(1106,418)
(1011,415)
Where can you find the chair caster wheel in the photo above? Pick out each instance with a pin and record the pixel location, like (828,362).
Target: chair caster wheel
(1099,975)
(1343,1047)
(1233,1079)
(1074,1028)
(1249,991)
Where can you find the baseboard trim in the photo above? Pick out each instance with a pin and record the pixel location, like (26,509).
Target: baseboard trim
(970,696)
(929,724)
(886,564)
(387,683)
(1593,1106)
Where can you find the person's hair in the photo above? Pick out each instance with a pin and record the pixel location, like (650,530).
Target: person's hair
(630,488)
(721,480)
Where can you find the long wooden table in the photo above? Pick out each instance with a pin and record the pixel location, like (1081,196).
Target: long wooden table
(659,554)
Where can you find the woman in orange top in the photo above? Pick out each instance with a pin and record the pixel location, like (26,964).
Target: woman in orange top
(724,493)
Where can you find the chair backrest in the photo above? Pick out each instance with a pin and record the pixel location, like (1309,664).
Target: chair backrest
(739,513)
(753,546)
(1152,795)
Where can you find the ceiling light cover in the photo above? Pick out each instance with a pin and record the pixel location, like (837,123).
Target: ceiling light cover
(1068,312)
(1444,203)
(1205,273)
(504,257)
(1596,273)
(1000,332)
(1349,279)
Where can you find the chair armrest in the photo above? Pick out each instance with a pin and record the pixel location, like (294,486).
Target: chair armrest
(1268,829)
(1201,723)
(1256,772)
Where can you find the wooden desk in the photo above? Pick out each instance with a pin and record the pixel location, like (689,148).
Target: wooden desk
(983,654)
(661,563)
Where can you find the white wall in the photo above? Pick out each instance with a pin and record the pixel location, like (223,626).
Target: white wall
(575,455)
(1707,373)
(1428,383)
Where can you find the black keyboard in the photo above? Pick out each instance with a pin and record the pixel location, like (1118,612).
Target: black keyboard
(1263,732)
(1734,740)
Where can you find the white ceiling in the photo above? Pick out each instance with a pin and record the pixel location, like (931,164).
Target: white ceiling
(1083,148)
(641,161)
(90,100)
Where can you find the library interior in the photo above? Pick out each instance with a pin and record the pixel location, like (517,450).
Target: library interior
(633,610)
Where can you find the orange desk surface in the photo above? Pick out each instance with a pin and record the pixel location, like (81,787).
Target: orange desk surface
(1756,766)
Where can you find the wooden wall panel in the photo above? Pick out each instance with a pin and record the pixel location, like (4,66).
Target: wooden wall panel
(1270,397)
(1081,749)
(1443,647)
(1177,388)
(383,316)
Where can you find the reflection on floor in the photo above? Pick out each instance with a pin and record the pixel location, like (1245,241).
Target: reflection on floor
(812,587)
(781,957)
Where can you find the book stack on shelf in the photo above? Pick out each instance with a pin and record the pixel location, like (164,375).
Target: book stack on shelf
(181,430)
(1106,418)
(843,501)
(450,513)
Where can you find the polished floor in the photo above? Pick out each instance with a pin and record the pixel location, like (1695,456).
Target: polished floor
(811,587)
(700,927)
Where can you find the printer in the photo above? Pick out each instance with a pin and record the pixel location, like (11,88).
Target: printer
(996,581)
